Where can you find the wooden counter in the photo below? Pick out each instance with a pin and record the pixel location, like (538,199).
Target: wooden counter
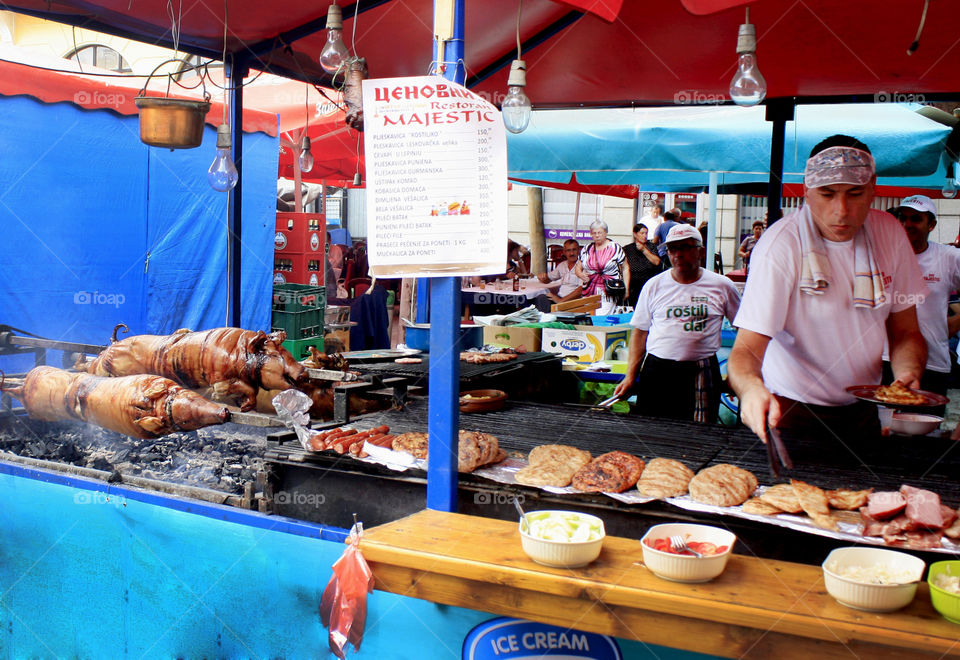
(756,608)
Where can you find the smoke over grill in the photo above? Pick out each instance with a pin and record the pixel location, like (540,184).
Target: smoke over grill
(219,458)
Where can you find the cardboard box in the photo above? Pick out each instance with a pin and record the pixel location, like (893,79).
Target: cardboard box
(498,335)
(588,343)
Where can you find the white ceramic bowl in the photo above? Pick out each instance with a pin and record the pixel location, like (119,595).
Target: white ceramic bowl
(687,568)
(562,554)
(914,423)
(861,595)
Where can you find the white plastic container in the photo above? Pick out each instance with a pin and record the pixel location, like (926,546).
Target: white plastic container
(871,597)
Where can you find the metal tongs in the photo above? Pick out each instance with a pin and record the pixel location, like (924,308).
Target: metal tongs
(606,403)
(777,452)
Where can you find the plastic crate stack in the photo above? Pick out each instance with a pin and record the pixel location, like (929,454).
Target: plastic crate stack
(299,250)
(299,310)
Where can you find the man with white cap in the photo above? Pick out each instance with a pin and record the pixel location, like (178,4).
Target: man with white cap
(940,268)
(676,333)
(828,284)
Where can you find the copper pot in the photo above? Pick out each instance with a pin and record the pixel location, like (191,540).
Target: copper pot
(171,123)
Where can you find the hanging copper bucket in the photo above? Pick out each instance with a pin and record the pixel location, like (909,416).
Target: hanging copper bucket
(168,122)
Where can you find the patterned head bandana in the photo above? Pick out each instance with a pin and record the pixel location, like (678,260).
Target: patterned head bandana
(839,165)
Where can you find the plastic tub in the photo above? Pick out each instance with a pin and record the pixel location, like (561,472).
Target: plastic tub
(418,337)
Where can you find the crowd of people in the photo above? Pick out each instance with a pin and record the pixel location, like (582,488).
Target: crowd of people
(837,294)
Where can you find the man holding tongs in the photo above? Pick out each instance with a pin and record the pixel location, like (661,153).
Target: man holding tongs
(828,283)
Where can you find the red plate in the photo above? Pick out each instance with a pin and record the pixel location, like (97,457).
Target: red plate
(869,393)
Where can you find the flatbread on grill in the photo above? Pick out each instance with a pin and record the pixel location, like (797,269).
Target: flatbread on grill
(814,503)
(760,507)
(475,449)
(552,465)
(722,485)
(664,477)
(848,500)
(613,472)
(783,497)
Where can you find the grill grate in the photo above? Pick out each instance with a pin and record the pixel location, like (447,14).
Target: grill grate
(467,370)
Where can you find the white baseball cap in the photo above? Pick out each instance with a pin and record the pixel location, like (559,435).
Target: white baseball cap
(682,232)
(920,203)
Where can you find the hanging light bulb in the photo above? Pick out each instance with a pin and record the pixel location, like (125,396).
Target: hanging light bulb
(747,86)
(334,53)
(516,106)
(950,185)
(222,174)
(306,158)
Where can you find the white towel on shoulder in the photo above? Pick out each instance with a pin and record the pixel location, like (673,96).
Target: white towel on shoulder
(815,269)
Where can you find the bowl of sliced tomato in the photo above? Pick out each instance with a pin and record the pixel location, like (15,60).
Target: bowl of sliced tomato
(714,544)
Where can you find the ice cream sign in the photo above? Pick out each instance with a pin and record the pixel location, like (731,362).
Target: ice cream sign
(505,638)
(436,179)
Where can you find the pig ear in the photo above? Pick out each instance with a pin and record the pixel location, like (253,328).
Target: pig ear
(278,336)
(152,425)
(255,345)
(155,388)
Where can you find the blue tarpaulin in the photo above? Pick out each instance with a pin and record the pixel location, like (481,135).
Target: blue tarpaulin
(98,228)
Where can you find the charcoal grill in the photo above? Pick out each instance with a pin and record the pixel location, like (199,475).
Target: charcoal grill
(380,495)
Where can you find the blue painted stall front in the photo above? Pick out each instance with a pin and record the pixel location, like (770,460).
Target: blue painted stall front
(93,571)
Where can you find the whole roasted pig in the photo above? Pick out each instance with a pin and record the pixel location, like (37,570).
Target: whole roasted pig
(142,406)
(233,361)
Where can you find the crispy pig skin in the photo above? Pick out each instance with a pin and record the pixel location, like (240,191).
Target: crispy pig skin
(234,361)
(142,406)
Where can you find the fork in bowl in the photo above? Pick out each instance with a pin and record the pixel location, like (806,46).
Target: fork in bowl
(679,545)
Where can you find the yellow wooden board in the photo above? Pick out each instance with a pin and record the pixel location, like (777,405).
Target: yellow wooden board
(755,608)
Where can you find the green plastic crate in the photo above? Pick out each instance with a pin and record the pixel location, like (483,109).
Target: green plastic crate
(299,325)
(298,297)
(298,347)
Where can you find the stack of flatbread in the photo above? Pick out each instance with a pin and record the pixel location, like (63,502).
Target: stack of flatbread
(613,472)
(722,485)
(801,497)
(664,477)
(474,448)
(552,465)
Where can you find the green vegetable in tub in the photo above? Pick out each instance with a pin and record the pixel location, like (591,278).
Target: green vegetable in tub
(569,527)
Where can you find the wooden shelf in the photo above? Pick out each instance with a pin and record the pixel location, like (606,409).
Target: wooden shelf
(756,608)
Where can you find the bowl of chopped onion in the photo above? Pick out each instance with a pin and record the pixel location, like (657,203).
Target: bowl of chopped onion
(944,581)
(872,579)
(715,544)
(562,539)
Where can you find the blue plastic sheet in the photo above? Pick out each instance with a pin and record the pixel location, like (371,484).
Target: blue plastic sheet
(98,228)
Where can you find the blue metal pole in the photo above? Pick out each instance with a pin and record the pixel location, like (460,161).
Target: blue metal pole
(444,380)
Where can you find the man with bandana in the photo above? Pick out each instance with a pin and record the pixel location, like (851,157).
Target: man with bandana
(827,285)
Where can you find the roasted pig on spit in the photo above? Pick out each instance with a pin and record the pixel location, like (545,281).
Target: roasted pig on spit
(141,406)
(233,361)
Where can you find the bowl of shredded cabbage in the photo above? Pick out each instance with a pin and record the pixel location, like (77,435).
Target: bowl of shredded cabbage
(561,539)
(944,581)
(872,579)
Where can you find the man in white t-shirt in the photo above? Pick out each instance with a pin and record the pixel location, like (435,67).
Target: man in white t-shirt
(570,287)
(672,357)
(827,285)
(940,268)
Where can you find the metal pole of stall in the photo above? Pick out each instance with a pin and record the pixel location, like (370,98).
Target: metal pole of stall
(779,112)
(443,422)
(712,224)
(235,71)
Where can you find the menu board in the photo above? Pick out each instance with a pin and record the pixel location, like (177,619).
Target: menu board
(436,160)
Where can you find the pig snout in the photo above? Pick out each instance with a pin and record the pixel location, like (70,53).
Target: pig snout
(191,411)
(280,371)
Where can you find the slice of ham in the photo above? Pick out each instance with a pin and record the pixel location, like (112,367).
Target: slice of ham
(923,507)
(885,504)
(915,540)
(885,528)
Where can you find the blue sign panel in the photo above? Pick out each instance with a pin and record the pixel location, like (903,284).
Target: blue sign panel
(505,638)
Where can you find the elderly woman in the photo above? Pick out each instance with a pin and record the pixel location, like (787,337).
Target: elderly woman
(642,263)
(600,261)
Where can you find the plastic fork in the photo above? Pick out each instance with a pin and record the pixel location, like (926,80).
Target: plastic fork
(679,545)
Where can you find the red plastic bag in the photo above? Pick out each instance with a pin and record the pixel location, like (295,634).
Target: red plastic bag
(343,607)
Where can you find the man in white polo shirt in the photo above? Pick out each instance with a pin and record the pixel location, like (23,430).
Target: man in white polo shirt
(672,357)
(827,285)
(940,268)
